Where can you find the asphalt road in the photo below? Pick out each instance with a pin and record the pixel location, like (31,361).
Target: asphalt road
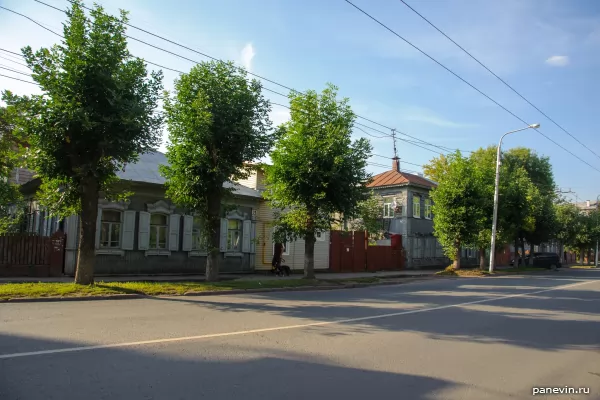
(490,338)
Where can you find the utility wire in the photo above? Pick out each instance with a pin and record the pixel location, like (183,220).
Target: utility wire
(497,77)
(465,81)
(18,79)
(391,158)
(418,144)
(14,70)
(11,60)
(216,59)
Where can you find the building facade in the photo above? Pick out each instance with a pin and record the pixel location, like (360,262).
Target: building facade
(407,210)
(294,251)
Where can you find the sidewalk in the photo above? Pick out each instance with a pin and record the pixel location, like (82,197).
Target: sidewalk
(227,277)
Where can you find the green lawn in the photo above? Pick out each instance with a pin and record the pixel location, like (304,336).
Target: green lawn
(41,289)
(477,272)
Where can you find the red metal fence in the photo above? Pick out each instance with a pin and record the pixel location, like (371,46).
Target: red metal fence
(349,252)
(32,255)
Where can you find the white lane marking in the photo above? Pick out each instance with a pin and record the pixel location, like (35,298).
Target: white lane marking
(277,328)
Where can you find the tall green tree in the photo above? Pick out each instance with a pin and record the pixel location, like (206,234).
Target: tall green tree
(218,122)
(457,206)
(317,171)
(11,151)
(95,115)
(483,161)
(529,192)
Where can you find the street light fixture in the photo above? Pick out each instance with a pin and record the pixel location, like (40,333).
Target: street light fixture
(596,254)
(496,194)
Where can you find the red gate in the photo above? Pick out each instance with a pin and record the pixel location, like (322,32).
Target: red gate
(347,251)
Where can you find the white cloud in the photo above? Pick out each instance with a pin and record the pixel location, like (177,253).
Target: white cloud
(427,116)
(558,61)
(247,55)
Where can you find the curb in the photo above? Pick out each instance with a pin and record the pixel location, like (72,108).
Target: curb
(217,292)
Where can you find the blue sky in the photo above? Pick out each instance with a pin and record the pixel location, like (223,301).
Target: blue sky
(548,50)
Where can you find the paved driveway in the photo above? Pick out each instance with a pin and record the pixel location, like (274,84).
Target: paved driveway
(490,338)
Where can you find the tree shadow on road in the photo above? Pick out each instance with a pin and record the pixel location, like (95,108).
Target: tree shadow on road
(539,321)
(197,370)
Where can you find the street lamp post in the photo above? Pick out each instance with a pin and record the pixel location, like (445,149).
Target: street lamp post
(496,194)
(596,254)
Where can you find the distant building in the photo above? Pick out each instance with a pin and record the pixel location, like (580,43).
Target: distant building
(587,206)
(407,210)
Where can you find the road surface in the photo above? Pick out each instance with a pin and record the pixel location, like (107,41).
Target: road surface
(490,338)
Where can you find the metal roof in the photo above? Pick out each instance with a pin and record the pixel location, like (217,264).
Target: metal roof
(394,178)
(146,170)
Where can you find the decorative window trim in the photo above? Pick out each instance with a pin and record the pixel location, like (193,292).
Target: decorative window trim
(428,205)
(113,205)
(236,217)
(157,251)
(235,214)
(160,207)
(388,203)
(418,202)
(197,253)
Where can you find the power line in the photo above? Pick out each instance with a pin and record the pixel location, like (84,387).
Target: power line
(497,77)
(14,70)
(32,20)
(391,158)
(216,59)
(18,79)
(11,60)
(465,81)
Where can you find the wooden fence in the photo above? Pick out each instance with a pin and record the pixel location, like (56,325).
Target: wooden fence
(32,255)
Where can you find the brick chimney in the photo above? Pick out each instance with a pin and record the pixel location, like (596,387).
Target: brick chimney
(396,164)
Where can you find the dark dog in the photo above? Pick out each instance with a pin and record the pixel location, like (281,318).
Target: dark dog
(281,270)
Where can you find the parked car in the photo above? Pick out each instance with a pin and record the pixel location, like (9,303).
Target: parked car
(542,260)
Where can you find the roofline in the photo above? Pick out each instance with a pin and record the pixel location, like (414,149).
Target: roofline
(401,185)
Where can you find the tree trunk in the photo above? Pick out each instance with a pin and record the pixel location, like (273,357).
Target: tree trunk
(581,255)
(457,255)
(516,257)
(530,255)
(214,226)
(309,256)
(482,258)
(86,257)
(589,256)
(522,259)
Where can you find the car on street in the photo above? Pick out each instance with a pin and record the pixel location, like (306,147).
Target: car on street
(542,260)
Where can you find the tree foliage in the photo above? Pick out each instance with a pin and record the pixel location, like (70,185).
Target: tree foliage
(95,115)
(218,122)
(369,214)
(317,171)
(457,206)
(436,168)
(11,150)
